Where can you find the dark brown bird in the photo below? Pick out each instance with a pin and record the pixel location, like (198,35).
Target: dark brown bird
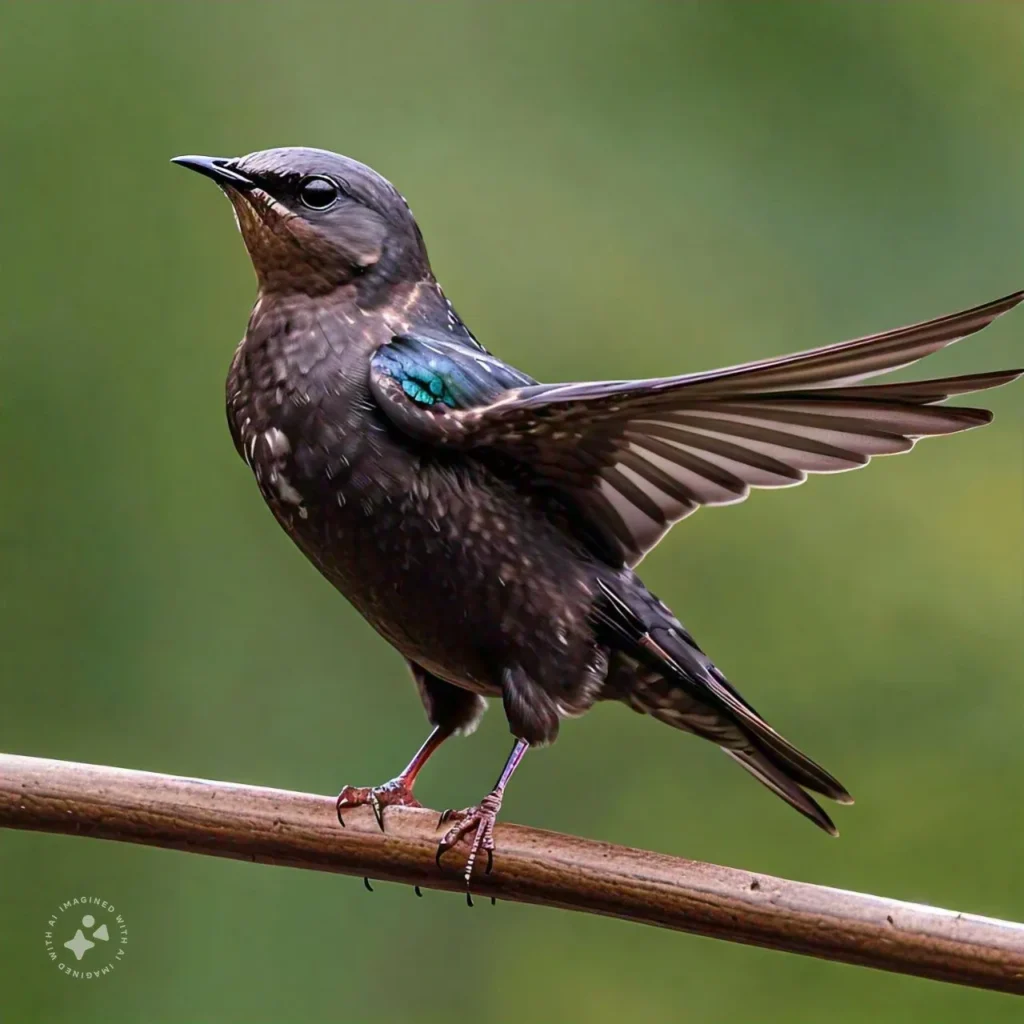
(487,525)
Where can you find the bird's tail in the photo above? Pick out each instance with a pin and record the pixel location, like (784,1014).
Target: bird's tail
(666,675)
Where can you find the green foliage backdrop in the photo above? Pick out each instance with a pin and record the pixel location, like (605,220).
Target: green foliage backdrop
(607,189)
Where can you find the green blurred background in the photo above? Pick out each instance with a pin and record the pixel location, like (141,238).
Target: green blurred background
(607,189)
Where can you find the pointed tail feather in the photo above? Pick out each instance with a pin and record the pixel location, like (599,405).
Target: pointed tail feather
(772,750)
(778,751)
(782,785)
(666,675)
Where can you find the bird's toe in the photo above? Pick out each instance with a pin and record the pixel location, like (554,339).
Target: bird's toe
(478,821)
(395,793)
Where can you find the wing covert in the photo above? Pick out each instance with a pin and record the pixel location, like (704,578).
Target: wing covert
(426,383)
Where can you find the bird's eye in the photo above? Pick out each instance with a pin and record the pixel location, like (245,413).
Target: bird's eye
(318,193)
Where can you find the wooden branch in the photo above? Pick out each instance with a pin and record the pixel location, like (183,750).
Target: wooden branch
(274,826)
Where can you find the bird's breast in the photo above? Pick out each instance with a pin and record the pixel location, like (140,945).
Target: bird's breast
(456,567)
(298,402)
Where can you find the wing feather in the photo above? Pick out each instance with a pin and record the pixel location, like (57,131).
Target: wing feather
(638,456)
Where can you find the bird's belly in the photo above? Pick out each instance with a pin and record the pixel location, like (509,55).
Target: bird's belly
(464,579)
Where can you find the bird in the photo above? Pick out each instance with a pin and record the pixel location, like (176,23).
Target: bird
(488,525)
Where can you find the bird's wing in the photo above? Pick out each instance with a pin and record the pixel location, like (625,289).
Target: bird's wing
(637,456)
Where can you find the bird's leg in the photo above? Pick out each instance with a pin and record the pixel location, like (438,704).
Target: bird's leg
(481,818)
(399,789)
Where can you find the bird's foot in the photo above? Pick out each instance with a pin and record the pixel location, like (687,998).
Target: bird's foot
(397,792)
(481,819)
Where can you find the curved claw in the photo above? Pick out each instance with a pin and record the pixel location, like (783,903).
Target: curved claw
(366,882)
(469,898)
(337,810)
(378,809)
(445,815)
(490,865)
(416,889)
(442,849)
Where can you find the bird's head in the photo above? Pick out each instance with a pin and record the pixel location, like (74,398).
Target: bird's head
(314,221)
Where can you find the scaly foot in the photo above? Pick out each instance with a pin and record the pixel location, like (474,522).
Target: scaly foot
(397,792)
(481,818)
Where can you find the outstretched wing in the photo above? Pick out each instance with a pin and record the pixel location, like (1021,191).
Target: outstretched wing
(637,456)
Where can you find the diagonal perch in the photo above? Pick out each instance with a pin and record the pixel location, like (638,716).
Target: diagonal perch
(275,826)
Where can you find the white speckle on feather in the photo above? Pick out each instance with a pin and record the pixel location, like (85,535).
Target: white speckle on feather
(277,442)
(286,492)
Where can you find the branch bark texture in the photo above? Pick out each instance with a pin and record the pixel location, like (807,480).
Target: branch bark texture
(300,830)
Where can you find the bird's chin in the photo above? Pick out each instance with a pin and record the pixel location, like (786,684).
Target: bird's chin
(254,204)
(285,252)
(261,220)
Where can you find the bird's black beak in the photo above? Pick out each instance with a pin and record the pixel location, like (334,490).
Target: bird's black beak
(216,167)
